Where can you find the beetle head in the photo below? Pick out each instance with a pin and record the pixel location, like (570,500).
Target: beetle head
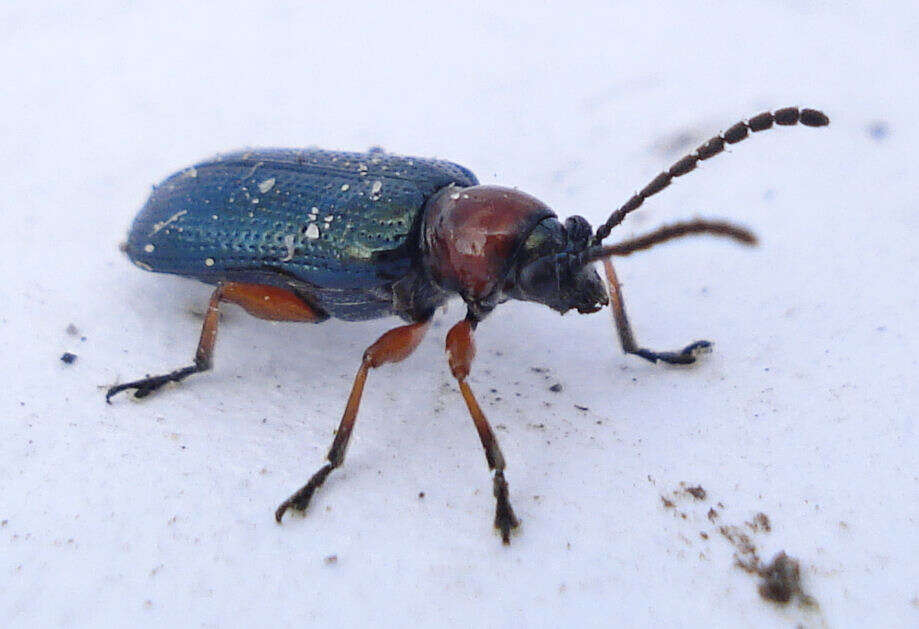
(550,268)
(491,244)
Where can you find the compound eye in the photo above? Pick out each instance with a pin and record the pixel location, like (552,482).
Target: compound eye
(579,231)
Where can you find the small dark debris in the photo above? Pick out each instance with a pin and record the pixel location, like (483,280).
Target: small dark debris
(781,580)
(67,358)
(420,495)
(539,369)
(72,330)
(741,541)
(878,130)
(330,559)
(4,522)
(703,534)
(696,492)
(667,502)
(537,426)
(712,515)
(582,408)
(556,388)
(760,523)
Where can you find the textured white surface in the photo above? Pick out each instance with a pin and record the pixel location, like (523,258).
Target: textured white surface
(160,513)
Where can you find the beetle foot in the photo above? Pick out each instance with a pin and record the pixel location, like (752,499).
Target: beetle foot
(146,386)
(301,500)
(505,520)
(687,356)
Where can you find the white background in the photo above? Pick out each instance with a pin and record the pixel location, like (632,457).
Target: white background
(161,512)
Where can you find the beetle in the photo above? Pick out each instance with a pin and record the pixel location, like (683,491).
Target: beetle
(305,235)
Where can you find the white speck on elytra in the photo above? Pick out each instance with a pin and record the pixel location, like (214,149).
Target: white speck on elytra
(253,169)
(171,219)
(344,187)
(376,187)
(289,243)
(455,196)
(328,219)
(266,185)
(149,248)
(209,262)
(255,201)
(312,232)
(214,217)
(191,173)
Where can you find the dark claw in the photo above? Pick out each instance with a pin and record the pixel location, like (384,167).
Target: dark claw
(685,357)
(301,500)
(146,386)
(505,520)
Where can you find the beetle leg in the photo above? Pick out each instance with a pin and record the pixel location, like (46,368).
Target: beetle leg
(394,346)
(146,386)
(460,353)
(259,300)
(684,357)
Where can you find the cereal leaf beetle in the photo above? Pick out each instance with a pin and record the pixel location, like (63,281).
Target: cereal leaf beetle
(304,235)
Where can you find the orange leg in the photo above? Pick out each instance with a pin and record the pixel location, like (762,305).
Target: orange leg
(259,300)
(460,353)
(685,356)
(394,346)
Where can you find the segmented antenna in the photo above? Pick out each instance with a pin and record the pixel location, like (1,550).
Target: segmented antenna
(784,117)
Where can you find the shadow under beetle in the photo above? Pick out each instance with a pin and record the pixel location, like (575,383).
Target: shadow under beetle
(304,235)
